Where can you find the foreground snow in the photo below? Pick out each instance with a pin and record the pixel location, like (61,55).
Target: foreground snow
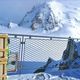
(45,76)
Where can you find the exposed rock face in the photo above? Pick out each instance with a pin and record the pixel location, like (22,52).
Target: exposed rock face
(70,58)
(44,19)
(48,17)
(49,64)
(42,69)
(68,53)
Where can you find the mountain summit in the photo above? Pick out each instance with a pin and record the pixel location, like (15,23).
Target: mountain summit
(48,16)
(53,17)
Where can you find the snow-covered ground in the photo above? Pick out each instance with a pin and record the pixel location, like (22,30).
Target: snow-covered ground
(46,76)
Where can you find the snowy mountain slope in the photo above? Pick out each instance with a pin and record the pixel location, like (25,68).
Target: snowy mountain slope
(53,18)
(47,16)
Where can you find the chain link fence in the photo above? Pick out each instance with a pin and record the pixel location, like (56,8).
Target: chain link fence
(33,51)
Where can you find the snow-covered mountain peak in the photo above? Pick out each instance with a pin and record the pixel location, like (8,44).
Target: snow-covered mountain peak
(52,18)
(49,17)
(57,8)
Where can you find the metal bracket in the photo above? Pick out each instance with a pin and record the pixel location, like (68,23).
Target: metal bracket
(22,42)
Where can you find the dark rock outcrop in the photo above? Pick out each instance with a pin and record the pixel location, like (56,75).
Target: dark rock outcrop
(70,55)
(70,58)
(42,69)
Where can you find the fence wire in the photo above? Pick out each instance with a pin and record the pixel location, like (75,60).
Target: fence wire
(41,50)
(34,51)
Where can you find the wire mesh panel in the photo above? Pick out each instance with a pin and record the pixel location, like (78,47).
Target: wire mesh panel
(14,45)
(37,52)
(14,53)
(34,51)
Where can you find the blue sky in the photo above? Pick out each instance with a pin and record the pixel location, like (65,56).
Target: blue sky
(14,10)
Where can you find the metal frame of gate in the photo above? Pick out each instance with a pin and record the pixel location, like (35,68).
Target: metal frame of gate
(19,42)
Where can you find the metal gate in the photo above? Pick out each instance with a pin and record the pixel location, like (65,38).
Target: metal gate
(37,52)
(34,51)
